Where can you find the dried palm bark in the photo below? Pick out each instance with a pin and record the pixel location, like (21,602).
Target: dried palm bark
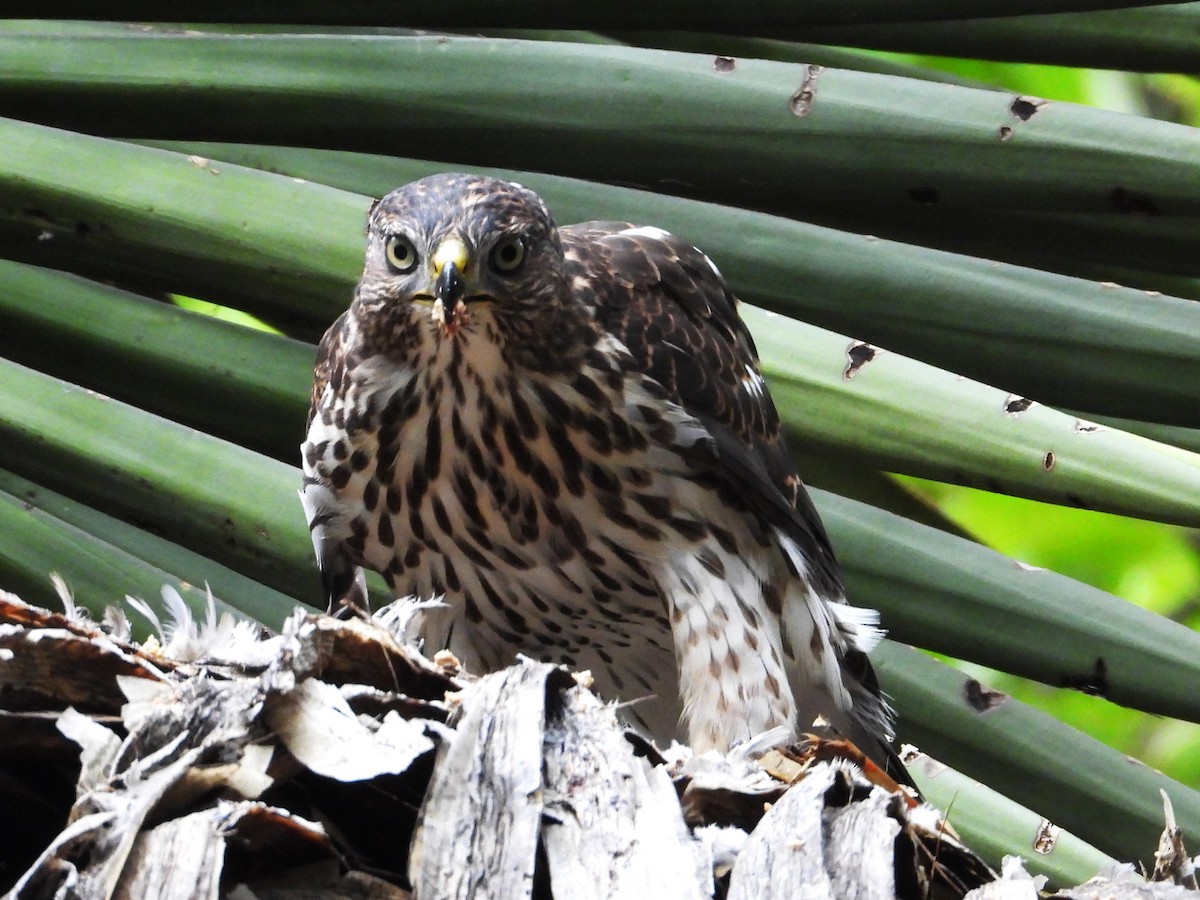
(334,760)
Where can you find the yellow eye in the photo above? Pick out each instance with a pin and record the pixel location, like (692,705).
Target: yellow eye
(401,254)
(508,254)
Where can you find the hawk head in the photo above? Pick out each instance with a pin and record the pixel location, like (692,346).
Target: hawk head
(454,254)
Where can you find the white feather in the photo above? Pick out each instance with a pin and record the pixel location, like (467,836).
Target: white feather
(647,231)
(731,672)
(754,382)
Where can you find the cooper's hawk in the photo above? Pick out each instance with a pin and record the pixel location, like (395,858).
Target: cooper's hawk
(565,432)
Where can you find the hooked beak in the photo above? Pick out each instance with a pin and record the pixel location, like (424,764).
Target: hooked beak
(448,262)
(448,288)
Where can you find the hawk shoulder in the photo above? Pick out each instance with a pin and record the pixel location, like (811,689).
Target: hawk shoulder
(669,305)
(329,361)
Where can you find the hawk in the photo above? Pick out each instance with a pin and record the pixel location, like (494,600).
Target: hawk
(565,433)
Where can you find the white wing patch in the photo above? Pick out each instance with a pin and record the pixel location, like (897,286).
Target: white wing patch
(860,624)
(754,382)
(822,629)
(658,234)
(647,231)
(839,624)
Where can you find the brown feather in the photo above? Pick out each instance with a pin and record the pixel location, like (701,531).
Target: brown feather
(667,303)
(330,354)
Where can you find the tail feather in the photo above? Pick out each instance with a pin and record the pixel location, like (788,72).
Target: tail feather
(345,582)
(834,678)
(871,721)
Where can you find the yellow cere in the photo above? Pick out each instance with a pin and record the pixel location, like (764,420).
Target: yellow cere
(451,250)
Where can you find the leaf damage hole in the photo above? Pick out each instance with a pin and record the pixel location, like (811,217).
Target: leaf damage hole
(202,162)
(1014,405)
(858,355)
(981,698)
(802,101)
(52,226)
(1082,427)
(1025,108)
(1094,682)
(1048,460)
(925,195)
(1046,838)
(724,64)
(40,216)
(1134,203)
(1006,132)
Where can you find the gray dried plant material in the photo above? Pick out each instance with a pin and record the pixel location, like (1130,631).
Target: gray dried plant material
(203,710)
(1125,885)
(194,731)
(52,661)
(98,748)
(351,886)
(404,619)
(477,831)
(358,651)
(611,823)
(371,702)
(87,858)
(728,788)
(535,789)
(180,859)
(718,847)
(318,727)
(183,741)
(536,758)
(1171,861)
(217,640)
(1014,883)
(837,833)
(861,836)
(217,716)
(784,856)
(188,858)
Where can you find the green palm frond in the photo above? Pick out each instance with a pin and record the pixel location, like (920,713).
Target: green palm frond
(929,266)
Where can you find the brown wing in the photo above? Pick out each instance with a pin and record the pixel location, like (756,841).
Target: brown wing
(343,582)
(329,356)
(669,305)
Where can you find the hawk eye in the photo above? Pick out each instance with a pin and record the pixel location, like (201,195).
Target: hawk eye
(508,254)
(401,254)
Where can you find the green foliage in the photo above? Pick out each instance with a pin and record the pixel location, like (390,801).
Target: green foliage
(935,208)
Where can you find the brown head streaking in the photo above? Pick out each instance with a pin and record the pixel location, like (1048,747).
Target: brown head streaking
(565,433)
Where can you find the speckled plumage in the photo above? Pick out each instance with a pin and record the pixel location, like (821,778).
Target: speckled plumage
(579,452)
